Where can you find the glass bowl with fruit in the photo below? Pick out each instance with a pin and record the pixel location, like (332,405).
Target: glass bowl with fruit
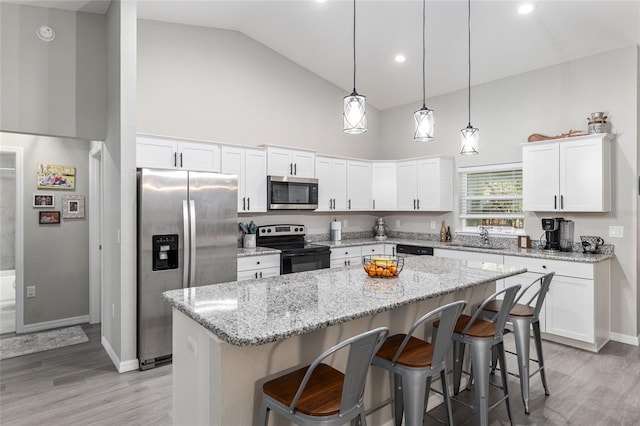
(382,266)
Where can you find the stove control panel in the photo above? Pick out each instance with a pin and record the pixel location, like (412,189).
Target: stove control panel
(280,230)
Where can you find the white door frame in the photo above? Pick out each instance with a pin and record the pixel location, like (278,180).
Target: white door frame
(19,243)
(95,231)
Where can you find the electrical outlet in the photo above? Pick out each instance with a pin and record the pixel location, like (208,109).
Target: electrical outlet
(31,291)
(113,311)
(433,224)
(616,231)
(398,224)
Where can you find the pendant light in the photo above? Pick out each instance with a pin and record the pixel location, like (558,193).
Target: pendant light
(425,121)
(470,135)
(355,120)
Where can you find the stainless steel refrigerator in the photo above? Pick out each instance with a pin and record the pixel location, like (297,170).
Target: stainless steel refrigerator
(187,237)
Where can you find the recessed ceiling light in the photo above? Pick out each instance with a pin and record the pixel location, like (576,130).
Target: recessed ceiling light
(400,58)
(525,9)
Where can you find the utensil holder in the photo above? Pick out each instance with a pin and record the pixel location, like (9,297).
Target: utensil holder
(249,241)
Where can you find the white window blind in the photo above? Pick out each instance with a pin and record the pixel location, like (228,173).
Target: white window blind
(491,196)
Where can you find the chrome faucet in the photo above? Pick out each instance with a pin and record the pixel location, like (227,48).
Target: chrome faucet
(484,233)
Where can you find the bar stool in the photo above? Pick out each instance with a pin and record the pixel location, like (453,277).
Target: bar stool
(523,317)
(320,394)
(482,335)
(412,362)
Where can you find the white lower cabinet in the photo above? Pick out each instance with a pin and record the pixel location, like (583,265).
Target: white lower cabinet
(576,310)
(252,267)
(346,256)
(468,255)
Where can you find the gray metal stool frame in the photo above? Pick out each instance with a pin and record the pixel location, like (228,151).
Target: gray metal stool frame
(412,363)
(361,351)
(524,317)
(482,335)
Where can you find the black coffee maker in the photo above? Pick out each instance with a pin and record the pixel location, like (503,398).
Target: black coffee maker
(551,228)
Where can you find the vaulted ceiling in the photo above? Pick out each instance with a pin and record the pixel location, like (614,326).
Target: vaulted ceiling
(318,36)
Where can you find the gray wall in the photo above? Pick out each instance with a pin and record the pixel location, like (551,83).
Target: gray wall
(220,85)
(56,257)
(58,87)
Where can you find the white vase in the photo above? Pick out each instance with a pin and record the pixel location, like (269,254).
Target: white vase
(249,241)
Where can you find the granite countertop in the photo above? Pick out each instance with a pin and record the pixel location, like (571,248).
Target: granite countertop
(255,312)
(258,251)
(510,251)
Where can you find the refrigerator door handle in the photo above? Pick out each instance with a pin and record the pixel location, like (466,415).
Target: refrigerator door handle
(192,243)
(185,244)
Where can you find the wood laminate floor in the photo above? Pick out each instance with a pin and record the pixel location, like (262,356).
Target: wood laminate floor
(78,385)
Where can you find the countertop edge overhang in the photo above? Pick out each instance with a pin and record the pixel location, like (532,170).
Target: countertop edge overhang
(206,304)
(532,252)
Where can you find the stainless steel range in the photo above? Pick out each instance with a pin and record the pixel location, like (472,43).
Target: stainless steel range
(296,254)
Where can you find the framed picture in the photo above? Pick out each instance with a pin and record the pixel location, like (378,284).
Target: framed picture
(54,176)
(49,217)
(72,206)
(43,200)
(524,241)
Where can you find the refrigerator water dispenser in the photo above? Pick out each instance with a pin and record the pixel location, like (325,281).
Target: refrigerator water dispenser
(165,252)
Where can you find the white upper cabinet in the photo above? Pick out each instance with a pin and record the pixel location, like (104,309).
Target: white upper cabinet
(572,175)
(384,182)
(290,162)
(358,186)
(425,184)
(250,164)
(166,153)
(332,183)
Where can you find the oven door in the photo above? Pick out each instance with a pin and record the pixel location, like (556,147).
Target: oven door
(300,262)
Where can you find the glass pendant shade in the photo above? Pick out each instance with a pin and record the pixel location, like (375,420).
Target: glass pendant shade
(425,124)
(470,137)
(355,119)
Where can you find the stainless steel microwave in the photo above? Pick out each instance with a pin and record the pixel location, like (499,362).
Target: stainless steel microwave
(292,193)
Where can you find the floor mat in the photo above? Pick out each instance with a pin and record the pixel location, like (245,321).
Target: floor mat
(42,341)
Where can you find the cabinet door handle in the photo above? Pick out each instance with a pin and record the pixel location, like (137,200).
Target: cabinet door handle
(414,203)
(561,202)
(393,251)
(260,274)
(348,263)
(349,204)
(374,204)
(295,169)
(256,275)
(290,168)
(180,159)
(555,202)
(244,203)
(334,203)
(248,203)
(418,203)
(175,159)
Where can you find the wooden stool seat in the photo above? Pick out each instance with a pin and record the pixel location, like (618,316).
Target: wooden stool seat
(518,309)
(416,354)
(321,396)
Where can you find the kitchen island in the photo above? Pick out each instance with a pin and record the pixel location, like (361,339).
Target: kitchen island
(229,338)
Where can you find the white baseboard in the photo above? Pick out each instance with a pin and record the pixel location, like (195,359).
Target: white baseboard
(48,325)
(121,366)
(625,338)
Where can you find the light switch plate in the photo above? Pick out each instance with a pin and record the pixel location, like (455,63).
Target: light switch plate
(31,291)
(433,224)
(616,231)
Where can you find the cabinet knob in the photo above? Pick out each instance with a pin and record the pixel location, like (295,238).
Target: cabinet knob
(258,262)
(544,266)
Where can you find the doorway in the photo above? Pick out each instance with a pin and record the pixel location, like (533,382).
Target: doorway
(11,230)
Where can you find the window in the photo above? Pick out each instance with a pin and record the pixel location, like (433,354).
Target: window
(491,196)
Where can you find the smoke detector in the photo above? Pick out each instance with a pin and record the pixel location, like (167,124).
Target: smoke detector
(45,33)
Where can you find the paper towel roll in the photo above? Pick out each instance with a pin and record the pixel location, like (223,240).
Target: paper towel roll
(336,231)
